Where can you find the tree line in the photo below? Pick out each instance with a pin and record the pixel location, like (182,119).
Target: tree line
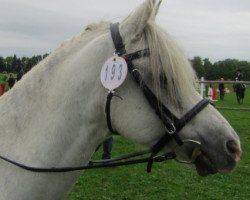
(222,69)
(13,64)
(204,68)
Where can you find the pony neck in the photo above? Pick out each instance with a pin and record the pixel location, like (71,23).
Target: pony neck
(53,117)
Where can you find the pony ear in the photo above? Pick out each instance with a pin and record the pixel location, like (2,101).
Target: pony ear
(157,7)
(132,27)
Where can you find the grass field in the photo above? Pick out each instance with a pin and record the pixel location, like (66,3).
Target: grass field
(171,180)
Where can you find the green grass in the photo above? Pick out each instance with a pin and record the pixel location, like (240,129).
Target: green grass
(3,78)
(170,180)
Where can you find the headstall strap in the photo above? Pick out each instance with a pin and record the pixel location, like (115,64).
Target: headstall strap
(150,96)
(172,124)
(162,112)
(117,39)
(107,111)
(119,50)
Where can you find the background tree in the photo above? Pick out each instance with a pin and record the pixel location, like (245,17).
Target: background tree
(211,71)
(2,64)
(222,69)
(8,62)
(198,66)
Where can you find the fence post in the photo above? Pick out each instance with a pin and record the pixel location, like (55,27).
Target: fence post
(202,88)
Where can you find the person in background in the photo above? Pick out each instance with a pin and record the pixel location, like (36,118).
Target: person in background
(239,75)
(222,89)
(107,148)
(2,89)
(3,82)
(210,91)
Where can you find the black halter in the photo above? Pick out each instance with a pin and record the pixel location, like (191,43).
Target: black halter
(172,124)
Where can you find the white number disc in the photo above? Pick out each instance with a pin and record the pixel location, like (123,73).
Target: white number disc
(114,72)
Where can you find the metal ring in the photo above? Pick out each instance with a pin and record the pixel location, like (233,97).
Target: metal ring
(192,160)
(171,132)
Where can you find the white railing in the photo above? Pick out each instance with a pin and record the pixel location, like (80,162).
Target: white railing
(203,82)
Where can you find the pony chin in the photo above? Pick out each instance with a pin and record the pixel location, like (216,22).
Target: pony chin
(205,166)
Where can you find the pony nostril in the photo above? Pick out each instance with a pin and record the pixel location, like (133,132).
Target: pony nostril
(232,146)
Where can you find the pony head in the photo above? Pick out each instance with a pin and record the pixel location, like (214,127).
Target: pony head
(216,146)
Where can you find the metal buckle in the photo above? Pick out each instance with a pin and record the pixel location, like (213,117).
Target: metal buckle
(135,70)
(172,131)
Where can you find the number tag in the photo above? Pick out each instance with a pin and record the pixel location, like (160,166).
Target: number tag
(114,72)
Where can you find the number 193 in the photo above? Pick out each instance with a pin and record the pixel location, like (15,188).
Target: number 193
(113,72)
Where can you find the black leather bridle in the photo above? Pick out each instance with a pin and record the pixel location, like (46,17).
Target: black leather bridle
(172,123)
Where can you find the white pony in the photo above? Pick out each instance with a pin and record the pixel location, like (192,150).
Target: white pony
(54,117)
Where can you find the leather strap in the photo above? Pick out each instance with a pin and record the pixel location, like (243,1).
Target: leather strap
(117,39)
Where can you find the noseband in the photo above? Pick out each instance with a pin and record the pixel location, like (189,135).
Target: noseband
(173,124)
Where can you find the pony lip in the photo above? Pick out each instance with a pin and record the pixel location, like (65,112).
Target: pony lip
(204,166)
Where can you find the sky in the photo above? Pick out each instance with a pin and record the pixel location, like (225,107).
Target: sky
(214,29)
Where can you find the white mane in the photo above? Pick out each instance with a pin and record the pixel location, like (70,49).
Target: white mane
(167,60)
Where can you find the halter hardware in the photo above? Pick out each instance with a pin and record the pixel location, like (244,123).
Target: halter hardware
(171,131)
